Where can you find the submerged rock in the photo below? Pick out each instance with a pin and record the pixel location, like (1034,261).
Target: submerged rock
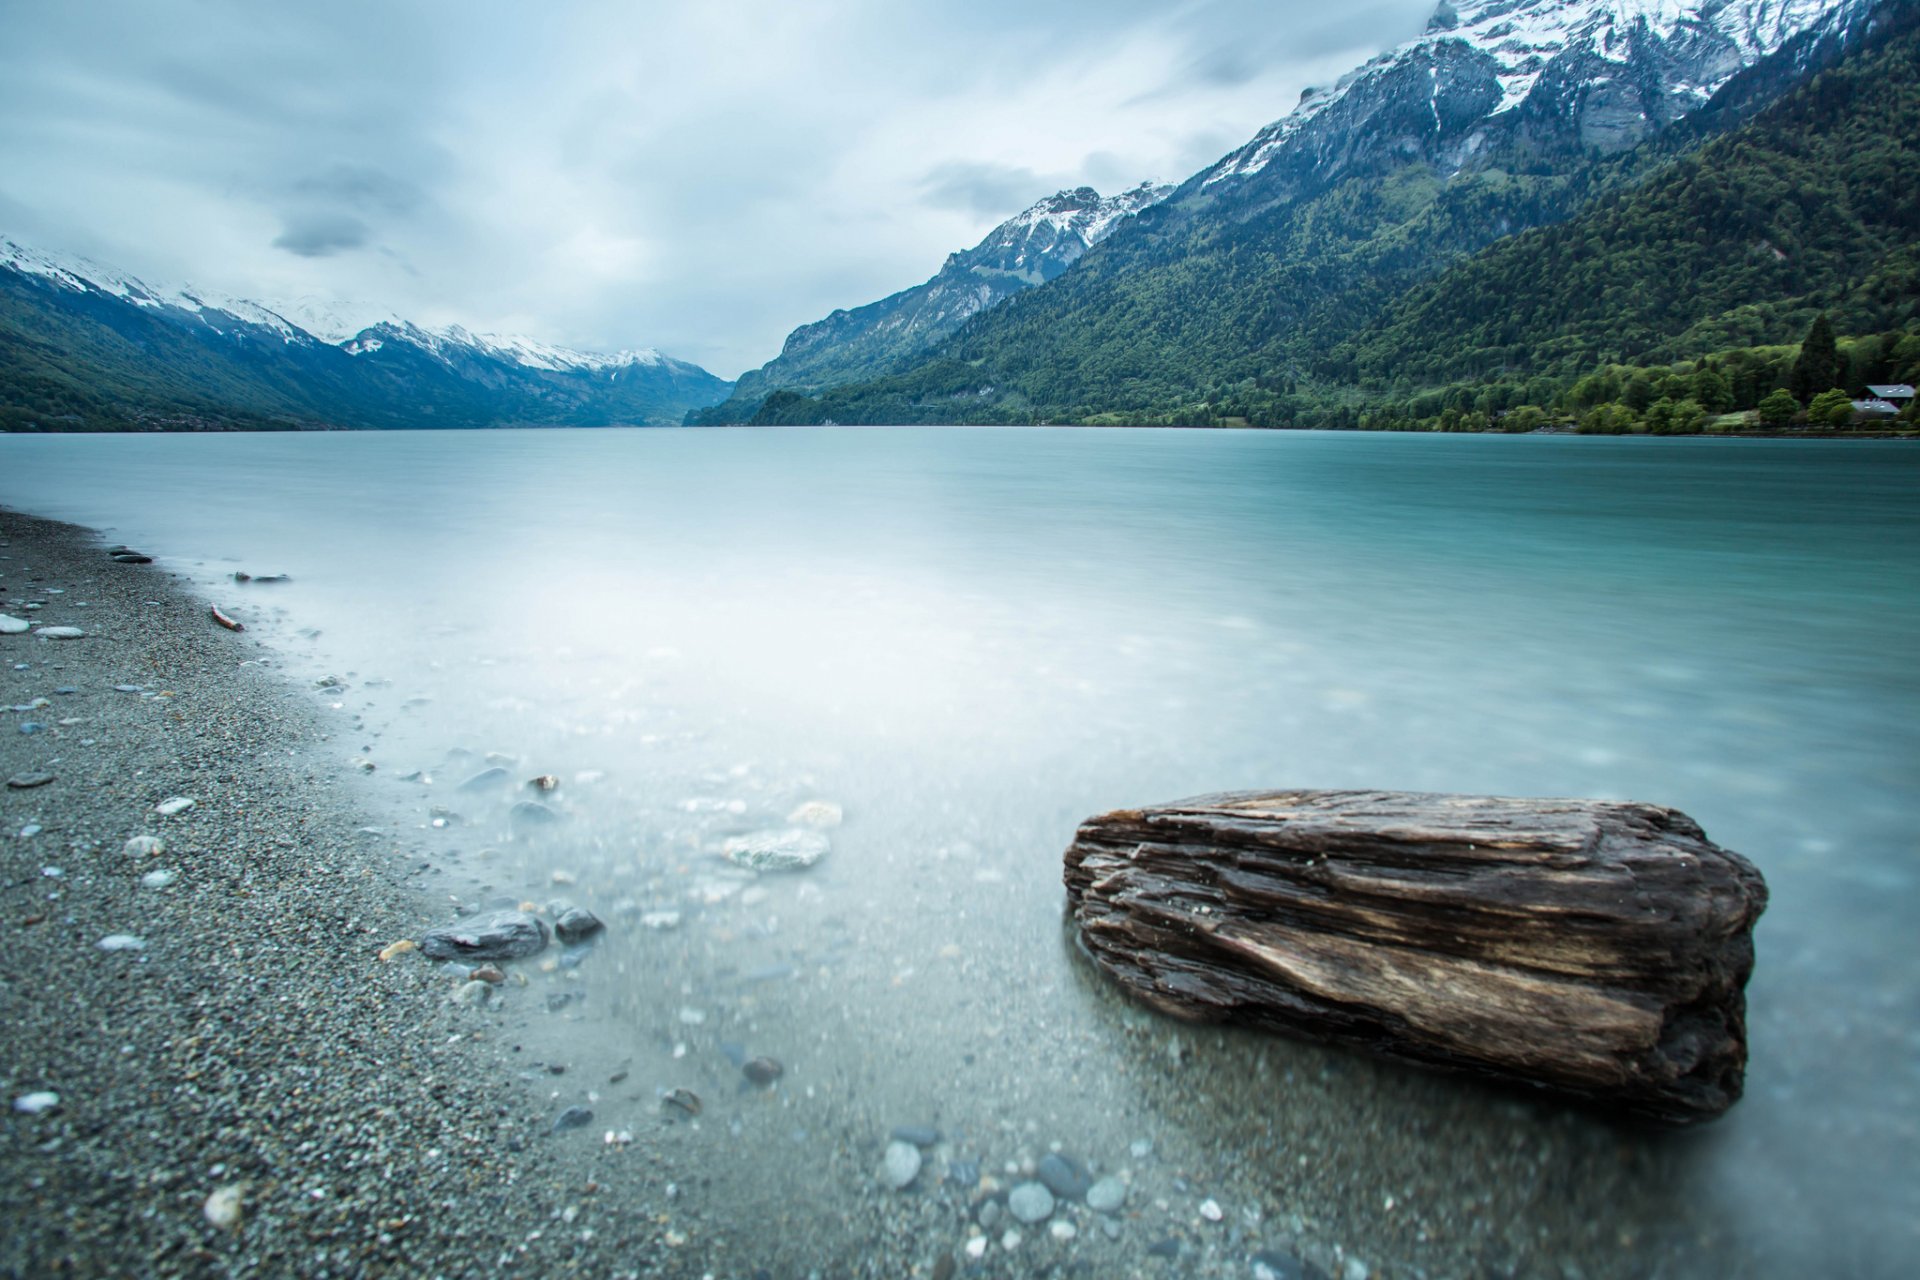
(486,780)
(11,626)
(1030,1202)
(1063,1177)
(777,850)
(531,813)
(572,1118)
(503,935)
(1107,1195)
(576,924)
(900,1166)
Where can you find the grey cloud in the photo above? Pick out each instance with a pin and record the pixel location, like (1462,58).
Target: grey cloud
(320,235)
(982,187)
(361,187)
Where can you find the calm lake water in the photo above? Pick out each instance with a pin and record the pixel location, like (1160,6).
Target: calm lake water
(970,640)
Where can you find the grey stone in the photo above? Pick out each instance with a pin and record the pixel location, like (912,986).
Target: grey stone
(572,1118)
(779,850)
(1107,1195)
(486,779)
(920,1135)
(503,935)
(531,813)
(900,1166)
(576,924)
(1063,1177)
(1030,1202)
(22,781)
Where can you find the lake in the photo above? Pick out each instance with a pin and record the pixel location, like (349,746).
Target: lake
(969,640)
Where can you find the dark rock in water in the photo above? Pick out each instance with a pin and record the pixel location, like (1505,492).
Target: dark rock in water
(919,1135)
(1597,949)
(22,781)
(1167,1248)
(503,935)
(683,1100)
(577,924)
(531,813)
(572,1118)
(943,1267)
(132,557)
(1063,1177)
(1271,1264)
(763,1071)
(486,779)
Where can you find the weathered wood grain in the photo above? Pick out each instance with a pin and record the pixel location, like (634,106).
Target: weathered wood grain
(1598,950)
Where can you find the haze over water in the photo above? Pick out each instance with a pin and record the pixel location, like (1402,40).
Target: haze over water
(972,639)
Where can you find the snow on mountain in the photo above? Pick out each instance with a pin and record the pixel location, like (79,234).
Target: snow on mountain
(1046,238)
(358,328)
(70,271)
(1638,62)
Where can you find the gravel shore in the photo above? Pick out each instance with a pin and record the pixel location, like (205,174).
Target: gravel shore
(236,1042)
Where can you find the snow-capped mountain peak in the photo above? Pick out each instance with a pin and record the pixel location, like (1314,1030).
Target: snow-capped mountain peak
(71,271)
(1619,68)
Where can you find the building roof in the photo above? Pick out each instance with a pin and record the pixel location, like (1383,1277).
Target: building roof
(1875,406)
(1891,391)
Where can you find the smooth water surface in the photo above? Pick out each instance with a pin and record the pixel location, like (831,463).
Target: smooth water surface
(971,639)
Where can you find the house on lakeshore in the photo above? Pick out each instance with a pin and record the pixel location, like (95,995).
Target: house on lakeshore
(1899,394)
(1875,408)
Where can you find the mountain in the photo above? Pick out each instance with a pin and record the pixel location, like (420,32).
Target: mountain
(1504,115)
(86,347)
(1810,207)
(1028,249)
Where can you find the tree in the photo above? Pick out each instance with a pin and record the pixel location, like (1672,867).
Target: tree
(1777,410)
(1712,390)
(1818,365)
(1830,409)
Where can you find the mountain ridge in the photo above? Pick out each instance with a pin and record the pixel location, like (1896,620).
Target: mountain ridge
(92,347)
(1030,248)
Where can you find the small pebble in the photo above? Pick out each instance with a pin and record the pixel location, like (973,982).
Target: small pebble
(1107,1195)
(572,1118)
(1031,1202)
(900,1166)
(223,1206)
(157,879)
(29,831)
(144,847)
(121,942)
(1062,1230)
(168,808)
(22,781)
(34,1103)
(1210,1210)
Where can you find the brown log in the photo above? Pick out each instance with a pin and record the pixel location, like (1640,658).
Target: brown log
(1597,950)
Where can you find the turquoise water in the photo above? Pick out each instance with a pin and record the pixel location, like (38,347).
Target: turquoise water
(970,639)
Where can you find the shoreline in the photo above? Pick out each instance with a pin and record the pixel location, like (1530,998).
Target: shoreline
(251,1039)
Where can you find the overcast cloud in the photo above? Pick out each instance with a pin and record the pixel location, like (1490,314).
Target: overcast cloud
(700,177)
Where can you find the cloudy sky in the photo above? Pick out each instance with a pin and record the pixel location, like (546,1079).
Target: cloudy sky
(696,175)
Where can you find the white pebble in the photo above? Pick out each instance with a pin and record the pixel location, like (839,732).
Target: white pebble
(167,808)
(1010,1241)
(1210,1210)
(60,633)
(977,1248)
(1355,1270)
(1062,1230)
(144,847)
(121,942)
(34,1103)
(223,1206)
(157,879)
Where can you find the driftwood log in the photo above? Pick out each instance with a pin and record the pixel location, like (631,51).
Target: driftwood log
(1597,950)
